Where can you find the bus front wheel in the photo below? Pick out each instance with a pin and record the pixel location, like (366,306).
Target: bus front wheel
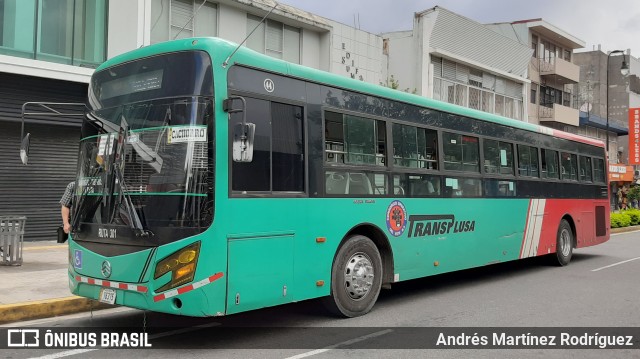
(356,278)
(564,244)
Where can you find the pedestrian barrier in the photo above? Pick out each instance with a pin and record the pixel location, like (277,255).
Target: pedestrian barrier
(11,240)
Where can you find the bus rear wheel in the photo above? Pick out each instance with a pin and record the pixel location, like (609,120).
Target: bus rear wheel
(356,278)
(564,244)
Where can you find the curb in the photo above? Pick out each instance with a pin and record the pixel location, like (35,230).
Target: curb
(15,312)
(625,229)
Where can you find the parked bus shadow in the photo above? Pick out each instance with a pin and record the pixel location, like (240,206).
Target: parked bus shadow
(405,291)
(312,313)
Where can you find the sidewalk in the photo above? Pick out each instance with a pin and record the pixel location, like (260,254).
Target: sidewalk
(39,288)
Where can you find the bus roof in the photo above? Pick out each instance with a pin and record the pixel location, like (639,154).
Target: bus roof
(220,49)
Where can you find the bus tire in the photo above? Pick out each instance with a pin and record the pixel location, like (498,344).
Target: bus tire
(564,244)
(356,278)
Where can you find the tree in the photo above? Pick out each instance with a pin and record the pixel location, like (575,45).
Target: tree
(634,193)
(394,84)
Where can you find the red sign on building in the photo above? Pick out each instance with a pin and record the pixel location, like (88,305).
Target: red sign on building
(634,136)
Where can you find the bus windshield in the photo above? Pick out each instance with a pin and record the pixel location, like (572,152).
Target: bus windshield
(145,164)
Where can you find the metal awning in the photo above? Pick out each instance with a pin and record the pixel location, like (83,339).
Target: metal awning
(601,123)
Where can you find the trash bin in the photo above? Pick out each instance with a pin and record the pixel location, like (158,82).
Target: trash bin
(11,240)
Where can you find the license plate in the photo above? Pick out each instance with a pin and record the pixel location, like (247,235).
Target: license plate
(108,296)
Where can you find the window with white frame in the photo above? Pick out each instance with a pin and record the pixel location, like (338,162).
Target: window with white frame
(179,19)
(465,86)
(274,39)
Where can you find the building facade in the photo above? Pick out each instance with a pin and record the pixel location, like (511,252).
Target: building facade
(623,93)
(606,96)
(452,58)
(50,48)
(551,71)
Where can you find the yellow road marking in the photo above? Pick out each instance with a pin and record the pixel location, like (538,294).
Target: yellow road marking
(43,247)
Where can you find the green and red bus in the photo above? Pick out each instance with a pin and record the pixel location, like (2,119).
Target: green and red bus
(211,184)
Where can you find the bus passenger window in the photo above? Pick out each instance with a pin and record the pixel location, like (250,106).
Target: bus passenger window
(550,164)
(462,187)
(431,149)
(461,153)
(379,182)
(498,188)
(569,165)
(414,147)
(527,161)
(355,183)
(506,158)
(498,157)
(598,170)
(491,156)
(586,174)
(354,140)
(414,185)
(333,137)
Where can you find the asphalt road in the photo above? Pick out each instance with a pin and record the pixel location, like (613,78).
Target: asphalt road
(600,288)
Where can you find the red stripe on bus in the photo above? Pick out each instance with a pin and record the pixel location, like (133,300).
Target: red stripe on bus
(185,289)
(106,283)
(188,287)
(216,276)
(577,138)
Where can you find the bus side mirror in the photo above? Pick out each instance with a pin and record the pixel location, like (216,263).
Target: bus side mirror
(24,149)
(243,135)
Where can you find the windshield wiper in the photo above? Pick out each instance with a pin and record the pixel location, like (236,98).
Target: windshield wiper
(79,208)
(123,197)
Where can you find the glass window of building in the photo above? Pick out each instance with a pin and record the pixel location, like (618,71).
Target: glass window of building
(274,39)
(465,86)
(179,19)
(63,31)
(17,28)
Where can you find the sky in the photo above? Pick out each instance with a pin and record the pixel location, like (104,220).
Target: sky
(614,24)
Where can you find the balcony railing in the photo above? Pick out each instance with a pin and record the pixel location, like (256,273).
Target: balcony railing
(560,114)
(565,71)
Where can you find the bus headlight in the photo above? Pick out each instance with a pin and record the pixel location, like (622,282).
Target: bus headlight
(181,265)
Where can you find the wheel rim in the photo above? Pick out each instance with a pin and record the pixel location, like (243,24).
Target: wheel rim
(358,276)
(565,242)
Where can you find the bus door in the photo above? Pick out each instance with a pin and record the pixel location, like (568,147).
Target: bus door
(265,203)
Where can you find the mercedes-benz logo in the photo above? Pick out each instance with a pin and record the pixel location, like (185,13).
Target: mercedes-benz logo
(106,269)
